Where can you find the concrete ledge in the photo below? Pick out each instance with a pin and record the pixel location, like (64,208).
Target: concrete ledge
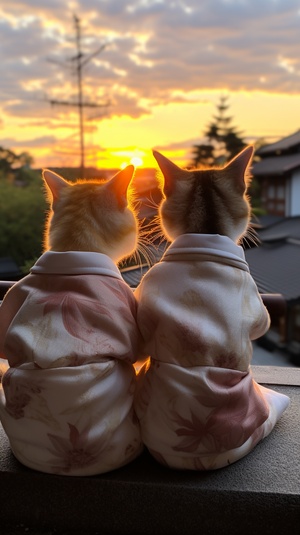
(258,495)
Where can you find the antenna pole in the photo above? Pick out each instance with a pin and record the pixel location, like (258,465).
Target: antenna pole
(79,83)
(80,104)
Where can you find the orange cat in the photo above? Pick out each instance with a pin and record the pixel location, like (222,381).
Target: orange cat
(69,333)
(94,215)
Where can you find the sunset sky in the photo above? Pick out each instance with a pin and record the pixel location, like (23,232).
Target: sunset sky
(164,66)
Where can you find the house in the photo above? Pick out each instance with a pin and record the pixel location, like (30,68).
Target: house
(278,173)
(275,267)
(275,264)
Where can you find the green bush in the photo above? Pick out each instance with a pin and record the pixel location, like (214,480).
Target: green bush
(22,216)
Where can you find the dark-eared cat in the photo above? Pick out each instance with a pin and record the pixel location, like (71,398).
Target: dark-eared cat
(198,311)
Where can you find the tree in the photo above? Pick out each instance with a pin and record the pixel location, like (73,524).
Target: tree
(22,214)
(7,160)
(224,141)
(22,207)
(203,155)
(15,167)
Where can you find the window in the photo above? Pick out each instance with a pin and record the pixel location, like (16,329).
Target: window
(274,192)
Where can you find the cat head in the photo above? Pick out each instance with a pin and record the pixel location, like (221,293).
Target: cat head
(91,215)
(206,201)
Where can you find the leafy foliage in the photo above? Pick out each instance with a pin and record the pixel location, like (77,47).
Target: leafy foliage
(22,213)
(10,162)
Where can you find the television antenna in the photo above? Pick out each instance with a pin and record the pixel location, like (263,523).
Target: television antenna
(80,60)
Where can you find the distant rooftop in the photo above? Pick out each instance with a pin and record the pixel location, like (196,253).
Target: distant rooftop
(275,264)
(283,144)
(276,165)
(133,275)
(285,228)
(265,220)
(276,267)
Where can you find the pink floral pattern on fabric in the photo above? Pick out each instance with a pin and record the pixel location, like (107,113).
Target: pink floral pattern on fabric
(236,411)
(16,404)
(125,301)
(71,340)
(202,418)
(198,311)
(76,452)
(190,340)
(75,313)
(193,431)
(18,395)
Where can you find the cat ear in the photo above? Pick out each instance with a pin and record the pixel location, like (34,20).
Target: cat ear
(54,184)
(170,171)
(239,166)
(119,184)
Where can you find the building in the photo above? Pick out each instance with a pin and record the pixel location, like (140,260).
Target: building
(275,267)
(278,173)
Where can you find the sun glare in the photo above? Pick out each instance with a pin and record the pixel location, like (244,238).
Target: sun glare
(136,161)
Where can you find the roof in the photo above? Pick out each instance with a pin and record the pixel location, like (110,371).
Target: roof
(275,267)
(283,144)
(285,228)
(276,165)
(263,221)
(133,275)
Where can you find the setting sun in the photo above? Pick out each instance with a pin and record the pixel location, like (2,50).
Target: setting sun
(149,95)
(136,161)
(134,157)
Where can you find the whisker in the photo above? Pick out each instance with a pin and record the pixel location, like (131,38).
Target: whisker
(151,202)
(251,238)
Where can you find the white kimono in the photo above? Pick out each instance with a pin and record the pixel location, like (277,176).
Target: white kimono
(198,310)
(69,333)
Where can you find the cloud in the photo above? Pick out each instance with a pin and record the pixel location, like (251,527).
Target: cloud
(156,52)
(43,141)
(177,42)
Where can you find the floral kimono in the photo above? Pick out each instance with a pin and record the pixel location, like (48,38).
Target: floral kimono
(68,331)
(198,310)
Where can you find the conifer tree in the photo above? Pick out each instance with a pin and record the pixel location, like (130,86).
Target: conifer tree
(224,141)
